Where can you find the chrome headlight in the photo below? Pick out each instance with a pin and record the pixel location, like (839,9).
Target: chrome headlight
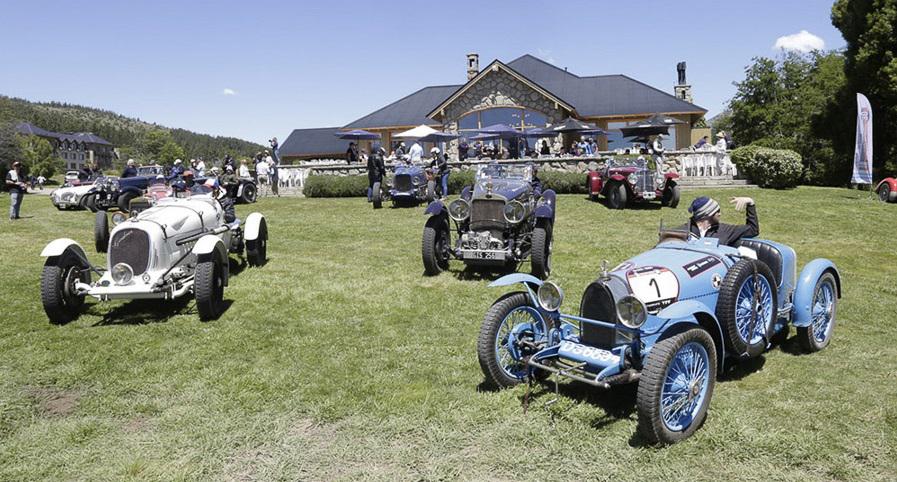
(122,274)
(633,178)
(550,296)
(514,212)
(659,180)
(459,210)
(118,218)
(631,311)
(67,196)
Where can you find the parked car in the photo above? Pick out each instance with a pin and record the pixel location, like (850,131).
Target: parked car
(409,185)
(178,247)
(75,197)
(887,190)
(669,319)
(632,182)
(499,221)
(117,193)
(71,178)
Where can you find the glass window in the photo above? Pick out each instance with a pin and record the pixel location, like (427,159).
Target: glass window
(469,121)
(501,115)
(534,119)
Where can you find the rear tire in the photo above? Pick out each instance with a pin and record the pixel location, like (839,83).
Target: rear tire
(508,312)
(825,301)
(377,196)
(209,287)
(435,246)
(734,308)
(676,387)
(57,280)
(540,258)
(257,249)
(101,232)
(250,193)
(616,195)
(89,201)
(124,201)
(884,192)
(671,196)
(431,191)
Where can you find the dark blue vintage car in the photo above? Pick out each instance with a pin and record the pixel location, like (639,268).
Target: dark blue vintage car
(411,185)
(668,320)
(117,193)
(501,220)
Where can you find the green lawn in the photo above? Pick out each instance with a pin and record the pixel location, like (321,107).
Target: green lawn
(339,360)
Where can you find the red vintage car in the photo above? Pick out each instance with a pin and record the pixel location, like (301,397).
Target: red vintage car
(887,190)
(634,182)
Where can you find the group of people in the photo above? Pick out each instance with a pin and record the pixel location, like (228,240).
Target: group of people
(723,142)
(438,164)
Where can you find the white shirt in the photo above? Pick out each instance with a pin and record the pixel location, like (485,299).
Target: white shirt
(721,144)
(200,168)
(658,147)
(244,171)
(416,152)
(261,168)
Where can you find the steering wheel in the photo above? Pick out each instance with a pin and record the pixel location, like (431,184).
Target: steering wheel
(675,235)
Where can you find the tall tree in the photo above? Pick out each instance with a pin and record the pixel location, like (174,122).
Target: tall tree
(871,66)
(9,146)
(38,156)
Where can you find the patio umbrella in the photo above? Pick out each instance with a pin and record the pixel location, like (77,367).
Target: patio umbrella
(665,120)
(483,137)
(502,131)
(656,124)
(357,135)
(416,133)
(572,125)
(595,132)
(439,137)
(537,132)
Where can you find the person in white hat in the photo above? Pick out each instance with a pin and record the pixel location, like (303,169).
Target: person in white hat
(657,147)
(721,141)
(177,170)
(441,170)
(130,169)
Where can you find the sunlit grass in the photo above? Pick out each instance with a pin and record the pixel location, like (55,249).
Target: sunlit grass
(338,359)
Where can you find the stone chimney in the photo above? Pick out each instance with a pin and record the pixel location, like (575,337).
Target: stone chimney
(682,90)
(473,65)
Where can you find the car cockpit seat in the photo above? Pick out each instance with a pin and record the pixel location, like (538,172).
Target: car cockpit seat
(766,253)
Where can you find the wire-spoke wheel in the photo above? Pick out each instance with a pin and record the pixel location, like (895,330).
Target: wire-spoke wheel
(511,329)
(746,307)
(676,386)
(825,300)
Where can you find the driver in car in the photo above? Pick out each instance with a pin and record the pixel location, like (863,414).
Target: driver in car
(705,214)
(226,202)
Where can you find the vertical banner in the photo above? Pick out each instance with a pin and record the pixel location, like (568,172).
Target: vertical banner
(862,153)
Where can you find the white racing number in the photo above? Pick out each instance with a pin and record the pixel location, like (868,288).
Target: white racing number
(657,287)
(591,352)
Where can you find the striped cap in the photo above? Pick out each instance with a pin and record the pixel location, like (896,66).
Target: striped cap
(703,207)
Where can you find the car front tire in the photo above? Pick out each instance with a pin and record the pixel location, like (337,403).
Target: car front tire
(101,232)
(540,259)
(209,287)
(250,193)
(616,195)
(509,312)
(435,246)
(671,195)
(257,249)
(57,285)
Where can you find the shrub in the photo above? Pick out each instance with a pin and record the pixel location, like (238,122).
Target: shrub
(356,186)
(775,168)
(335,186)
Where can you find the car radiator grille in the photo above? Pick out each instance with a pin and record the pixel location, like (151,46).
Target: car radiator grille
(645,181)
(132,247)
(402,182)
(598,304)
(487,215)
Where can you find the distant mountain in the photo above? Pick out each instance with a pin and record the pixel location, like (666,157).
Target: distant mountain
(123,132)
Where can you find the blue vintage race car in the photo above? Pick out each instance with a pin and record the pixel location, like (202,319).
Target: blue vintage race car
(411,186)
(668,319)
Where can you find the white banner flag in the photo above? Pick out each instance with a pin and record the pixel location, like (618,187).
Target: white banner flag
(862,153)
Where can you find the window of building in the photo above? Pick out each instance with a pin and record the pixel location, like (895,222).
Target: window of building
(512,116)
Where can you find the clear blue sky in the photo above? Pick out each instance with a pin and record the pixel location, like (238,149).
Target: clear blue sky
(326,63)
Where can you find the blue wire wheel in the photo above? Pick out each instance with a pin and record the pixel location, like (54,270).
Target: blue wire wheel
(747,307)
(818,334)
(510,331)
(684,390)
(522,322)
(754,310)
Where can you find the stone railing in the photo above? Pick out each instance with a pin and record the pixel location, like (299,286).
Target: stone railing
(686,162)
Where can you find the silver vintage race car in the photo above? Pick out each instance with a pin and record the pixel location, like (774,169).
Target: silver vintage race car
(178,247)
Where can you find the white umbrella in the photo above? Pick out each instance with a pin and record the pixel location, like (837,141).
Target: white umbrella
(416,133)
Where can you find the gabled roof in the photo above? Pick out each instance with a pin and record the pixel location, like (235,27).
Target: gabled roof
(309,142)
(602,95)
(33,130)
(497,64)
(84,137)
(406,112)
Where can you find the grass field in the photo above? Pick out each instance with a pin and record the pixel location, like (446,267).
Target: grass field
(339,360)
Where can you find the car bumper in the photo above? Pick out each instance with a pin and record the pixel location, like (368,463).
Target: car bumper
(484,256)
(588,364)
(136,290)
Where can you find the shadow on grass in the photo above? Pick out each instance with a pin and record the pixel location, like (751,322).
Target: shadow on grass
(741,369)
(618,402)
(482,273)
(143,312)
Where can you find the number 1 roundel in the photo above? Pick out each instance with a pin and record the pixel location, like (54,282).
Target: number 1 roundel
(657,287)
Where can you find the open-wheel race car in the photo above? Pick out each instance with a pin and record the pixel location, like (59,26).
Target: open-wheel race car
(622,184)
(410,185)
(887,190)
(669,319)
(503,219)
(175,248)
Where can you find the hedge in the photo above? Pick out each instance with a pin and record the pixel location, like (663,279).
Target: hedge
(356,186)
(775,168)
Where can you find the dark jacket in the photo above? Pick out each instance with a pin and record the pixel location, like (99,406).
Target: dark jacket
(85,174)
(352,155)
(130,171)
(729,234)
(441,164)
(376,168)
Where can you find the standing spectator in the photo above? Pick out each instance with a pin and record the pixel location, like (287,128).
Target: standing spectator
(416,152)
(463,148)
(400,151)
(176,170)
(244,170)
(376,169)
(15,184)
(40,182)
(272,168)
(546,151)
(658,149)
(130,170)
(262,174)
(352,153)
(200,169)
(441,170)
(274,153)
(85,173)
(229,181)
(557,147)
(229,161)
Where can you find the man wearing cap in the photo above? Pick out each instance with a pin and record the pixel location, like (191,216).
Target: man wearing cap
(176,170)
(229,180)
(15,184)
(705,214)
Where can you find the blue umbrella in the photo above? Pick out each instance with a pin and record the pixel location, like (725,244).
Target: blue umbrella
(502,131)
(357,135)
(539,132)
(438,137)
